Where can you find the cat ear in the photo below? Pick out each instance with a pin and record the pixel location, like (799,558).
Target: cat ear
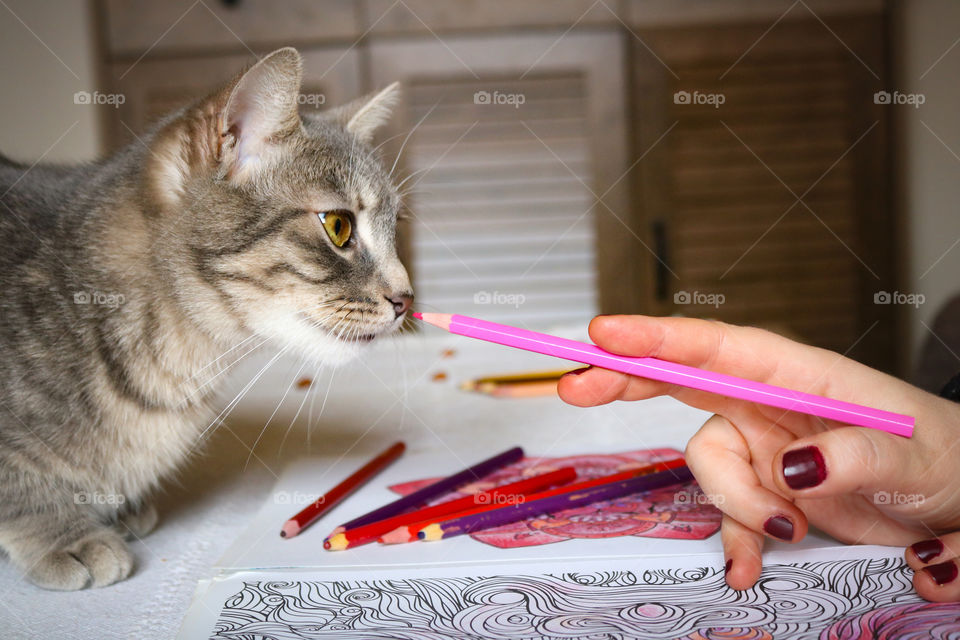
(261,108)
(364,116)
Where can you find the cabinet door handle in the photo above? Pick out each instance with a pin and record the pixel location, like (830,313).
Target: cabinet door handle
(658,229)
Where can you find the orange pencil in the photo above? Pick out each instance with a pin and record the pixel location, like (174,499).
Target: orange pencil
(410,532)
(327,501)
(514,378)
(523,390)
(490,498)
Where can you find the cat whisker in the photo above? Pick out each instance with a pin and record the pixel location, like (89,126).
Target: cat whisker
(211,379)
(220,357)
(412,174)
(407,139)
(242,393)
(316,324)
(393,137)
(310,411)
(302,402)
(272,415)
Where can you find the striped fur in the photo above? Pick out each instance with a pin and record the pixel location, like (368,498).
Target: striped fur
(124,279)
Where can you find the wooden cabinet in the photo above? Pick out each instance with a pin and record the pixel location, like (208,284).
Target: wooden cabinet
(154,87)
(571,157)
(769,197)
(140,28)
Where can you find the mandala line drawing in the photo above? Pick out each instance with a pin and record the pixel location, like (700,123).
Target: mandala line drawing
(831,600)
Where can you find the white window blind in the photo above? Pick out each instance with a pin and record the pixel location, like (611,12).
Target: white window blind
(503,226)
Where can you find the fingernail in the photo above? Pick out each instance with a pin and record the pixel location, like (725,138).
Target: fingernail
(779,527)
(804,468)
(726,567)
(942,573)
(927,550)
(577,372)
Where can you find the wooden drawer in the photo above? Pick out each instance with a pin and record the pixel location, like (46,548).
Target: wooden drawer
(424,16)
(152,88)
(137,27)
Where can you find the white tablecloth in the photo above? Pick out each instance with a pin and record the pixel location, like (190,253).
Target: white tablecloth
(391,393)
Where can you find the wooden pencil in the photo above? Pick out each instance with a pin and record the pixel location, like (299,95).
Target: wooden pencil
(490,498)
(327,501)
(568,500)
(514,378)
(442,487)
(523,390)
(410,532)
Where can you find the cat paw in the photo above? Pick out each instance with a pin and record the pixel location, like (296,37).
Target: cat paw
(136,524)
(97,560)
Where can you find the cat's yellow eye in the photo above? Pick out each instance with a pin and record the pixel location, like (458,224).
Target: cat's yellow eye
(338,226)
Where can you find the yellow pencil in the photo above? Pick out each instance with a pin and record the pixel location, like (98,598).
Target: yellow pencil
(486,384)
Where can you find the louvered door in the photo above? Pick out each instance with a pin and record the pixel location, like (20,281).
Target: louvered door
(504,168)
(502,227)
(771,185)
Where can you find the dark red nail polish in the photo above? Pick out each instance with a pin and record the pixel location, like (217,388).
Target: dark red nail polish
(726,567)
(927,550)
(804,468)
(577,372)
(779,527)
(942,573)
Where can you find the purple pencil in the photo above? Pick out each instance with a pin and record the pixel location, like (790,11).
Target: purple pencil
(553,504)
(435,490)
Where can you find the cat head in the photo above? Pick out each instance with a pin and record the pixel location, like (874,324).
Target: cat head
(281,225)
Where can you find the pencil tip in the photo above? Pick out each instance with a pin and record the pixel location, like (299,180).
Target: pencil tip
(431,532)
(441,320)
(397,536)
(283,534)
(336,543)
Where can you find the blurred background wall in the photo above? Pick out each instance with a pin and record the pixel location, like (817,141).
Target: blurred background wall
(726,159)
(49,51)
(927,151)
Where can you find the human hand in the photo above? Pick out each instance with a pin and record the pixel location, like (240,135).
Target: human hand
(773,472)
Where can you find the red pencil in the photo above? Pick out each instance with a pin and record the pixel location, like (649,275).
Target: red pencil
(554,504)
(630,474)
(327,501)
(489,499)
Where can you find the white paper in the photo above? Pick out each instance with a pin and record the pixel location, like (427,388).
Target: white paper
(801,593)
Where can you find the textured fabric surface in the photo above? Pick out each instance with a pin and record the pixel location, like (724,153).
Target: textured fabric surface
(394,392)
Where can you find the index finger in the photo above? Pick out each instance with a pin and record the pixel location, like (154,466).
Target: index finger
(745,352)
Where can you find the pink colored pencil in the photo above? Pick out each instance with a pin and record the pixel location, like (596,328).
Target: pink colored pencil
(674,373)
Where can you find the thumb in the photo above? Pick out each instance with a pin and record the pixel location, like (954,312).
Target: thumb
(844,461)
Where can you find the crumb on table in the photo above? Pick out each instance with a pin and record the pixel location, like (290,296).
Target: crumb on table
(304,383)
(448,353)
(439,376)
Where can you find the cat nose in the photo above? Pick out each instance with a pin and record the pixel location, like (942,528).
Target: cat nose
(401,302)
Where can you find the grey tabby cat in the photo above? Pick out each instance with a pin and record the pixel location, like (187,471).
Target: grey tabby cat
(124,279)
